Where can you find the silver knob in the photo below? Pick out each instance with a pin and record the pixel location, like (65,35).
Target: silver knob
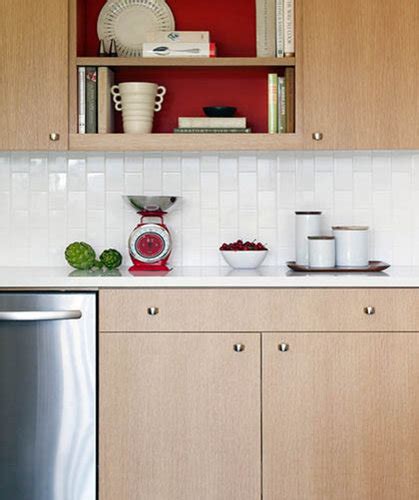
(153,311)
(283,347)
(53,136)
(370,310)
(239,347)
(317,136)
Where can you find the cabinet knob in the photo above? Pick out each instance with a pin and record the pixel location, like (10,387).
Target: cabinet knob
(317,136)
(370,310)
(54,136)
(239,347)
(283,347)
(153,311)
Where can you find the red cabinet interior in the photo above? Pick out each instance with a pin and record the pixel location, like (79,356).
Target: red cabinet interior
(232,26)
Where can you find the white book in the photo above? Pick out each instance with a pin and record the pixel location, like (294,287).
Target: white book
(82,100)
(177,36)
(279,28)
(207,122)
(178,49)
(265,28)
(289,43)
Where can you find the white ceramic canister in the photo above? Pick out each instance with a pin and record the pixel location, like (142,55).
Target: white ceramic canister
(306,224)
(351,246)
(321,250)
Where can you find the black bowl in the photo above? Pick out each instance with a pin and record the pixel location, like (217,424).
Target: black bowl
(219,111)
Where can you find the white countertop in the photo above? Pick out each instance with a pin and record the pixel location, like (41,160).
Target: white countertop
(279,277)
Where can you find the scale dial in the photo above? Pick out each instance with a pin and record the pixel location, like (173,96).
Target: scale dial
(150,243)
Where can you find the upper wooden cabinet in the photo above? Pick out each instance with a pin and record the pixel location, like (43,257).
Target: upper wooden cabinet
(361,74)
(34,75)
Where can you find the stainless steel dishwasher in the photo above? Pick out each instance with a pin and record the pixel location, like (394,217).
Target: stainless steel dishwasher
(47,396)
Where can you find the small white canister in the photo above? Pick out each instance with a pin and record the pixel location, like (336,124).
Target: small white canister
(351,246)
(321,251)
(306,224)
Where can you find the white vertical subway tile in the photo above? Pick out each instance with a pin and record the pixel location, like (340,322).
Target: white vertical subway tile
(171,162)
(133,162)
(248,225)
(96,229)
(286,162)
(38,169)
(343,172)
(266,209)
(172,183)
(229,209)
(228,173)
(305,173)
(247,190)
(4,172)
(191,247)
(95,163)
(152,169)
(401,161)
(191,209)
(20,191)
(362,189)
(286,190)
(114,210)
(362,162)
(381,171)
(95,190)
(57,162)
(58,191)
(247,163)
(190,174)
(323,161)
(210,221)
(133,183)
(323,186)
(114,169)
(266,173)
(76,174)
(19,162)
(209,163)
(38,209)
(76,209)
(209,190)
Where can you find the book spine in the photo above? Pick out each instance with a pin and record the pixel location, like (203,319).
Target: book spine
(190,130)
(265,28)
(81,100)
(91,100)
(105,112)
(289,44)
(279,28)
(211,122)
(272,103)
(290,99)
(282,103)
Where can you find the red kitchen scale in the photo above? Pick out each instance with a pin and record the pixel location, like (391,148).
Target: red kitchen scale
(150,244)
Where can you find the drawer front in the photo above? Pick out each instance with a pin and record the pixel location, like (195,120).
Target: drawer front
(258,310)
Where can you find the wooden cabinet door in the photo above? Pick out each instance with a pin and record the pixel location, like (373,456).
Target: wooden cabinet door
(341,416)
(361,73)
(33,75)
(179,416)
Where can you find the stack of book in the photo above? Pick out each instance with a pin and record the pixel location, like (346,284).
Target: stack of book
(275,28)
(178,44)
(206,125)
(281,102)
(95,112)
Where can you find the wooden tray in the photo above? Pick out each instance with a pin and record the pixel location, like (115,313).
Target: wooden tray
(374,266)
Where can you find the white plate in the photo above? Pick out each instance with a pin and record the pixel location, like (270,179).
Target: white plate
(128,21)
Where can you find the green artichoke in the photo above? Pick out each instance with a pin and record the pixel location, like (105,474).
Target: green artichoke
(80,255)
(111,258)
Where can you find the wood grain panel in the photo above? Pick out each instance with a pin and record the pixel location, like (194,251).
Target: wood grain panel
(341,416)
(179,417)
(34,74)
(257,310)
(361,78)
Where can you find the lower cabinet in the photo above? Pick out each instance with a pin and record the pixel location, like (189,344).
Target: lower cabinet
(179,416)
(292,415)
(341,416)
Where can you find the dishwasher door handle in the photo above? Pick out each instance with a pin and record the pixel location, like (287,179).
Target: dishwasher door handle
(39,315)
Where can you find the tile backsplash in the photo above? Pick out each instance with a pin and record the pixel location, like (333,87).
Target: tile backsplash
(49,199)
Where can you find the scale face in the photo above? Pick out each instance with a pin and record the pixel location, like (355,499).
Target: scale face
(150,243)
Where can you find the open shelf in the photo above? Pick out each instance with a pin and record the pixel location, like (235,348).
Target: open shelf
(184,142)
(113,62)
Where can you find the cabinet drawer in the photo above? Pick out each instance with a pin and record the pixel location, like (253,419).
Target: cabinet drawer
(251,309)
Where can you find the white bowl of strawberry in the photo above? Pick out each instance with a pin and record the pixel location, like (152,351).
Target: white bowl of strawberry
(244,255)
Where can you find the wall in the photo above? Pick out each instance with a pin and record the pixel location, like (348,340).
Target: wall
(49,200)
